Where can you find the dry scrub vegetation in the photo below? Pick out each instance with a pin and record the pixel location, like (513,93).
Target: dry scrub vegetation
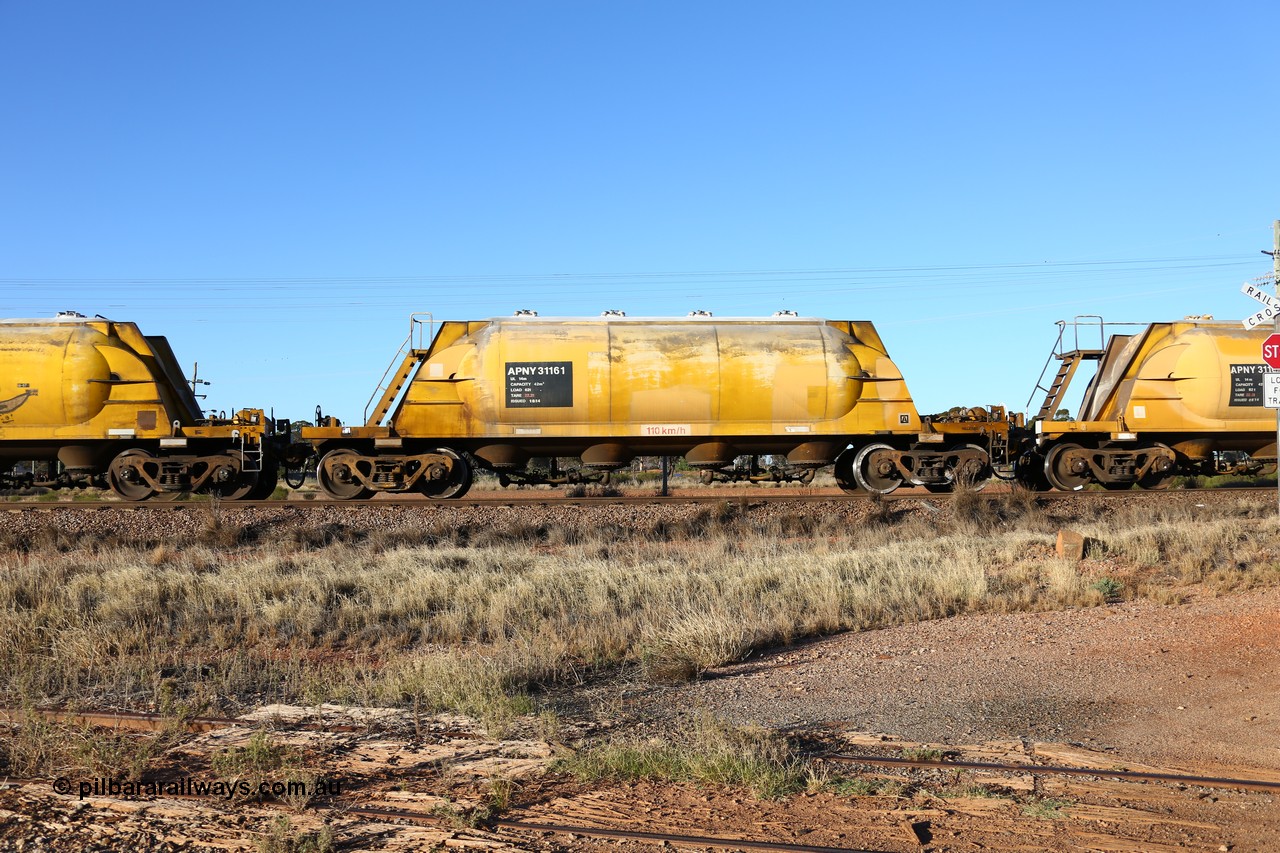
(477,620)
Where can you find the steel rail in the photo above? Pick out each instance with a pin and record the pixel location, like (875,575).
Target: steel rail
(505,501)
(145,721)
(698,840)
(604,832)
(150,721)
(426,819)
(1053,770)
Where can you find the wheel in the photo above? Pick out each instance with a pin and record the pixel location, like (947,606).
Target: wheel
(268,479)
(454,483)
(974,475)
(1067,468)
(977,473)
(843,472)
(1028,472)
(128,474)
(1161,472)
(336,474)
(239,483)
(874,469)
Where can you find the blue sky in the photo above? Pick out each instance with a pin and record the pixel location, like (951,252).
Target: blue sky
(276,186)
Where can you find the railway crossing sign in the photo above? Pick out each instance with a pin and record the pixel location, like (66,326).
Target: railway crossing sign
(1270,307)
(1271,350)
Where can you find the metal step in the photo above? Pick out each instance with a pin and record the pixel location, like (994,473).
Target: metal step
(1058,388)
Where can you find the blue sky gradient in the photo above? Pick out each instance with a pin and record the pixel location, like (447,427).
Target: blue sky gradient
(275,187)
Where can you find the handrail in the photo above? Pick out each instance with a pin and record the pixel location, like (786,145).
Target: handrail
(1053,353)
(1059,350)
(415,323)
(410,345)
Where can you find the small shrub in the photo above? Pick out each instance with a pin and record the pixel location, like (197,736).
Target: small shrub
(592,490)
(283,838)
(881,510)
(922,753)
(1045,809)
(693,643)
(972,510)
(34,748)
(260,760)
(1108,588)
(707,751)
(500,794)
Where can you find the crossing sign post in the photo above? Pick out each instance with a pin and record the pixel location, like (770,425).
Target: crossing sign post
(1271,346)
(1270,306)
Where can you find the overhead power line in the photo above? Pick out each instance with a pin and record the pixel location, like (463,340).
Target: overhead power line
(1195,262)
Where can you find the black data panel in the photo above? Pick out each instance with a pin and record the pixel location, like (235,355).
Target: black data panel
(539,384)
(1246,384)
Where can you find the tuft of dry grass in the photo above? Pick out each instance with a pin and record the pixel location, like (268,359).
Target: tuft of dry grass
(35,745)
(706,751)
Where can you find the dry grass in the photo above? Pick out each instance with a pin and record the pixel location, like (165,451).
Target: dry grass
(35,745)
(473,621)
(704,751)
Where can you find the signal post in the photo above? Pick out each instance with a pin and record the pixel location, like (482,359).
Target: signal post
(1271,346)
(1275,279)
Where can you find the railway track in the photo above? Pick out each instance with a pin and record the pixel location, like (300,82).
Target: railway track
(496,824)
(1054,770)
(144,721)
(548,499)
(664,838)
(354,803)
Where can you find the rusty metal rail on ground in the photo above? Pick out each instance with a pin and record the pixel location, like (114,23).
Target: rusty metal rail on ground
(603,832)
(1052,770)
(434,820)
(560,500)
(144,721)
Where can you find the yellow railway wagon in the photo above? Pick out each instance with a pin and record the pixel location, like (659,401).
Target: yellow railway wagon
(1163,401)
(502,393)
(106,402)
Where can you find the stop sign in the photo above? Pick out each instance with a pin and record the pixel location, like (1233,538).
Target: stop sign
(1271,351)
